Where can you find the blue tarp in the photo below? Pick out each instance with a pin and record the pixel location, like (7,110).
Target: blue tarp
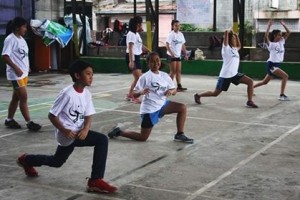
(52,31)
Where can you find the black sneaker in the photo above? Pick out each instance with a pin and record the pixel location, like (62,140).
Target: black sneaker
(251,104)
(33,126)
(180,88)
(183,138)
(115,131)
(12,124)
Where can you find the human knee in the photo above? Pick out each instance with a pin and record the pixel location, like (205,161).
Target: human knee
(182,108)
(143,138)
(58,163)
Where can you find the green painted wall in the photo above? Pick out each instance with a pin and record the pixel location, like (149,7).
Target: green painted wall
(253,69)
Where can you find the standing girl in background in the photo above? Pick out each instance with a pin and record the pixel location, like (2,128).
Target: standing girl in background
(229,72)
(175,46)
(134,50)
(275,46)
(15,55)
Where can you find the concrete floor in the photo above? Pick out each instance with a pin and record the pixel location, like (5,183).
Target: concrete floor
(239,153)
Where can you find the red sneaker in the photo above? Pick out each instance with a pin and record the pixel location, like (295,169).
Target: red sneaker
(29,170)
(101,186)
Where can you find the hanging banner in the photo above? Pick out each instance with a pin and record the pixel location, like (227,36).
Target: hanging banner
(195,12)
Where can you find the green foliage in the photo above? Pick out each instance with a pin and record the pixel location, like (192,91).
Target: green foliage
(249,31)
(193,28)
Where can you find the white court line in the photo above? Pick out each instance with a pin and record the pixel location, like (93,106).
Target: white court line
(132,112)
(199,118)
(51,102)
(86,194)
(159,189)
(240,164)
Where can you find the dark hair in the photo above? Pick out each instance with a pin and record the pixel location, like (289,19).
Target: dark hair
(77,67)
(133,22)
(174,21)
(273,34)
(14,24)
(150,55)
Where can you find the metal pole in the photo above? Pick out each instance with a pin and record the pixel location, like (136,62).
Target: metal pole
(156,35)
(148,24)
(75,28)
(235,16)
(215,16)
(134,7)
(83,28)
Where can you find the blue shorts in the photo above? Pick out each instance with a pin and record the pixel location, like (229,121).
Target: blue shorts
(271,67)
(150,119)
(137,62)
(224,83)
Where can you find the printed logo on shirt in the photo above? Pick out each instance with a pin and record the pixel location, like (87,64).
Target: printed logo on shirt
(278,50)
(77,115)
(234,54)
(23,53)
(175,41)
(157,86)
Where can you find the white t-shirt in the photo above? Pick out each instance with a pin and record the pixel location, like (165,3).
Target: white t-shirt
(71,107)
(158,85)
(17,50)
(276,50)
(231,60)
(136,39)
(175,41)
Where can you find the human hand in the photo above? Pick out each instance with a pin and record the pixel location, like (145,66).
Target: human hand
(69,134)
(18,72)
(82,134)
(169,93)
(131,65)
(145,91)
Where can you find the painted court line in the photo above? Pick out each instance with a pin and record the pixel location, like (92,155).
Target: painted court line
(199,118)
(159,189)
(240,164)
(57,189)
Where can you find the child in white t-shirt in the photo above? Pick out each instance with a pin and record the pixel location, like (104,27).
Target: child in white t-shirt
(155,86)
(229,72)
(275,46)
(134,49)
(175,45)
(15,55)
(71,115)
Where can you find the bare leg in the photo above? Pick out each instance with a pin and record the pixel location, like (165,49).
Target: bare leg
(136,74)
(180,109)
(143,136)
(265,81)
(284,76)
(249,82)
(13,105)
(172,69)
(214,93)
(22,93)
(178,72)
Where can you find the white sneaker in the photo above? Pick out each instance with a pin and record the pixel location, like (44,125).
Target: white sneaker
(283,97)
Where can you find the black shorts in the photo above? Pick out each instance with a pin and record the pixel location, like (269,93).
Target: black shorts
(172,59)
(224,83)
(137,62)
